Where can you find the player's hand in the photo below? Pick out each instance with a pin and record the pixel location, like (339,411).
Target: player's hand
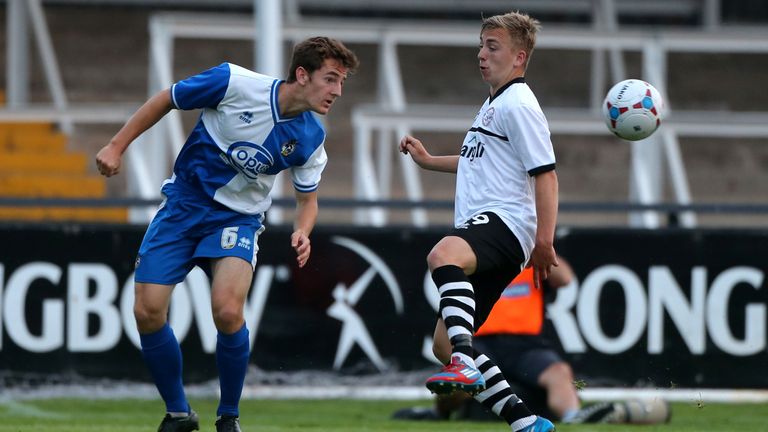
(108,160)
(414,147)
(543,258)
(300,243)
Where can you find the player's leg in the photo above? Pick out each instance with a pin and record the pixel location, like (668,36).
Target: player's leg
(499,259)
(441,345)
(445,403)
(531,361)
(232,249)
(231,282)
(499,398)
(164,259)
(162,354)
(562,399)
(449,261)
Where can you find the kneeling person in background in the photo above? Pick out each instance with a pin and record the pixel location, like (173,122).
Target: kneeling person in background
(512,337)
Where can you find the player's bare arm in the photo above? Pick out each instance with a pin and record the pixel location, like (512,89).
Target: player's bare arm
(543,256)
(306,215)
(109,158)
(420,155)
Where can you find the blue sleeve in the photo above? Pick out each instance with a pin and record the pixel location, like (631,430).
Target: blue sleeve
(205,90)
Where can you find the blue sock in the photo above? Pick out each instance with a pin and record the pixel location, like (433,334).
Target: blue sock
(162,355)
(232,353)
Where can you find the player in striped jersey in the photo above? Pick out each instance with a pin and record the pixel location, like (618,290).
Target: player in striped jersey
(252,127)
(505,215)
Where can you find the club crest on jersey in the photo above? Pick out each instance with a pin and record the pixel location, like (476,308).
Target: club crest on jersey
(249,158)
(288,147)
(488,116)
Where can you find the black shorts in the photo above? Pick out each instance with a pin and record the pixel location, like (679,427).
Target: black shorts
(499,259)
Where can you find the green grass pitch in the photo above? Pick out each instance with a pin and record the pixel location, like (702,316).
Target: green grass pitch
(138,415)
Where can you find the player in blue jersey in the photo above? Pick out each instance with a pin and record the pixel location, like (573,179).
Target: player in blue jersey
(252,127)
(506,209)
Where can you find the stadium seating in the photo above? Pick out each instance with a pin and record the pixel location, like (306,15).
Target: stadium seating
(35,163)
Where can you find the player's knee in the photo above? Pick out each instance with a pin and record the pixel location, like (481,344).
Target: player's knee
(450,253)
(558,373)
(148,318)
(437,258)
(228,318)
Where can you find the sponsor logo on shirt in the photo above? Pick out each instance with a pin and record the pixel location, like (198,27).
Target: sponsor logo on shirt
(471,151)
(249,158)
(246,117)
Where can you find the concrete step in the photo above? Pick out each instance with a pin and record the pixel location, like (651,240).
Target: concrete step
(31,136)
(79,214)
(43,163)
(40,142)
(26,127)
(52,186)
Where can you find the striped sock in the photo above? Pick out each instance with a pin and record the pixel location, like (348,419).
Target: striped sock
(498,396)
(457,308)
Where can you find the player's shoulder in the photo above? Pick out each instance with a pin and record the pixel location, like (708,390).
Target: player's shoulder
(247,80)
(247,76)
(248,87)
(314,128)
(517,101)
(515,96)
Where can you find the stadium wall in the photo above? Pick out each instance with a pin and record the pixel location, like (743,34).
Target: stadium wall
(649,308)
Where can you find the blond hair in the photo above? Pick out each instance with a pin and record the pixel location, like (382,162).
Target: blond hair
(521,28)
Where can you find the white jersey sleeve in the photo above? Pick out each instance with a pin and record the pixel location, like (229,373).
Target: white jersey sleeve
(531,136)
(306,178)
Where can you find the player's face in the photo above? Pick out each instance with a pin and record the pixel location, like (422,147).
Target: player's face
(325,86)
(499,58)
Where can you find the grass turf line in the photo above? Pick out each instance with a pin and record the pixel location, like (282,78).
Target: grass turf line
(123,415)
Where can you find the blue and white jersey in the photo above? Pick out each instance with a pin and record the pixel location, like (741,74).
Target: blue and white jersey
(241,142)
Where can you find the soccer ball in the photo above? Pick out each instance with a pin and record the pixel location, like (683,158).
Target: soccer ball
(633,109)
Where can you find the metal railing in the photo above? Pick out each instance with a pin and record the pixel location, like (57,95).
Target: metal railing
(150,157)
(565,207)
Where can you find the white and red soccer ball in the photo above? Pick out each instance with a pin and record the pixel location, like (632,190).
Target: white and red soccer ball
(633,109)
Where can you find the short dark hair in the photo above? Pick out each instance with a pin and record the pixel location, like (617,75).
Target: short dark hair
(311,53)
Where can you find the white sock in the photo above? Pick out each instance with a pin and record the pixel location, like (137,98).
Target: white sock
(523,423)
(469,361)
